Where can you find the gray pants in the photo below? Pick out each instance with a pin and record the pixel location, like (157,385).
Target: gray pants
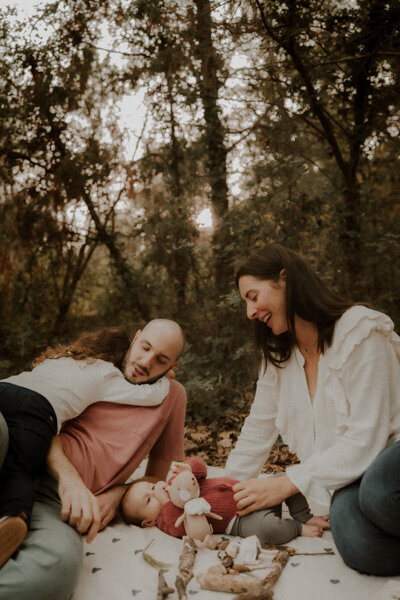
(48,564)
(267,524)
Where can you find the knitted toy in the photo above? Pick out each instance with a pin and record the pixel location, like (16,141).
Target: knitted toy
(184,492)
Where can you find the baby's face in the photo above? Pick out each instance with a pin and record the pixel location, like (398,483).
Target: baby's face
(144,501)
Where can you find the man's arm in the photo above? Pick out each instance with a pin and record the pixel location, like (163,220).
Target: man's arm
(110,500)
(79,507)
(157,468)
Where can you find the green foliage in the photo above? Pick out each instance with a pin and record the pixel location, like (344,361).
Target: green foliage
(283,121)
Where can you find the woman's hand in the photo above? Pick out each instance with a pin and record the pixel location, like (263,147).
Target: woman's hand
(255,494)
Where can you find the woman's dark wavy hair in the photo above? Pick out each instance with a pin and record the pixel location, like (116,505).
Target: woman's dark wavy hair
(109,344)
(305,295)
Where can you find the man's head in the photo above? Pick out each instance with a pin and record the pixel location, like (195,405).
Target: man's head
(143,501)
(153,351)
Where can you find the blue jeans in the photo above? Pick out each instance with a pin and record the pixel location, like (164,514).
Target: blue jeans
(365,517)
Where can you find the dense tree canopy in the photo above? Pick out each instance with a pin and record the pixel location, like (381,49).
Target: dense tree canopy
(281,118)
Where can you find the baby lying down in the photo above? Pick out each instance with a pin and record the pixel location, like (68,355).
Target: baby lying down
(148,505)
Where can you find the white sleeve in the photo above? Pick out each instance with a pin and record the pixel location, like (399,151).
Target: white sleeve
(259,431)
(365,378)
(117,389)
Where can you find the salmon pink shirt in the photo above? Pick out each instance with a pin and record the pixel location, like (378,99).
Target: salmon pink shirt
(108,441)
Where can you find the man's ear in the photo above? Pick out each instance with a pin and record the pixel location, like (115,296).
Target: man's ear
(171,373)
(282,274)
(148,523)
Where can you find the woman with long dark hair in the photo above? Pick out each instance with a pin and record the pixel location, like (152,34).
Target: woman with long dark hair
(329,383)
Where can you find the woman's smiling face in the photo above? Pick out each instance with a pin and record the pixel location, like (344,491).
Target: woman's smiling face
(265,301)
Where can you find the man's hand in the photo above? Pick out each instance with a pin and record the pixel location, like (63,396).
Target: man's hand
(108,503)
(255,494)
(79,506)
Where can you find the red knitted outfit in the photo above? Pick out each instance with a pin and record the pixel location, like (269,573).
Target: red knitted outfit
(218,493)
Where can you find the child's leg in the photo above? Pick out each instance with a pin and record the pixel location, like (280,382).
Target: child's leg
(267,526)
(3,440)
(299,510)
(31,425)
(298,507)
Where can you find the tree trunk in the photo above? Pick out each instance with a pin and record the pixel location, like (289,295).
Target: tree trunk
(216,151)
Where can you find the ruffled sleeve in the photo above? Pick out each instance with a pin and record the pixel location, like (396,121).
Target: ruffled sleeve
(259,431)
(362,392)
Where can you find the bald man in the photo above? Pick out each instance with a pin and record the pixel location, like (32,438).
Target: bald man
(88,464)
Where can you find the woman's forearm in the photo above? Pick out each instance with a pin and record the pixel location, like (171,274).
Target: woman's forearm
(264,492)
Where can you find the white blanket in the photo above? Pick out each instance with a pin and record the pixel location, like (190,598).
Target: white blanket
(114,568)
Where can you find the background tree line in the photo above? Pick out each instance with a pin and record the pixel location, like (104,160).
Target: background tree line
(281,117)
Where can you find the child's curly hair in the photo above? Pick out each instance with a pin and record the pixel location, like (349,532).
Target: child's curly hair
(110,344)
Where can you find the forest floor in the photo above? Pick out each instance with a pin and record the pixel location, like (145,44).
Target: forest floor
(213,444)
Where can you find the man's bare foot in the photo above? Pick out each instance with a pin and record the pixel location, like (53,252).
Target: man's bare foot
(311,530)
(319,521)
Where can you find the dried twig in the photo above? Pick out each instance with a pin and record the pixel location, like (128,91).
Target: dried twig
(264,591)
(225,582)
(163,588)
(315,553)
(186,562)
(280,561)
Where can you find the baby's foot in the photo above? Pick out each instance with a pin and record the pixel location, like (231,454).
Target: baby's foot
(311,530)
(319,521)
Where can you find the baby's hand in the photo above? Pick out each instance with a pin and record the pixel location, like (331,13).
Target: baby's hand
(178,467)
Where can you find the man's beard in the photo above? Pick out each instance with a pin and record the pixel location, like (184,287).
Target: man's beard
(150,380)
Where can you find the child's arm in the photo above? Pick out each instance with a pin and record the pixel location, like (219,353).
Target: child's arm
(117,389)
(196,465)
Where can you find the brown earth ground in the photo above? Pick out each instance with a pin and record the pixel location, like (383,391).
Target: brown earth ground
(213,445)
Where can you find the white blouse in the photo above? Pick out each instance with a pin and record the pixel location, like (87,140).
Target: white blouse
(354,415)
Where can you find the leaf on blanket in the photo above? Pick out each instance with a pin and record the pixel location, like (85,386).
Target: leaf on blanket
(89,554)
(334,580)
(138,551)
(134,592)
(95,569)
(152,561)
(116,540)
